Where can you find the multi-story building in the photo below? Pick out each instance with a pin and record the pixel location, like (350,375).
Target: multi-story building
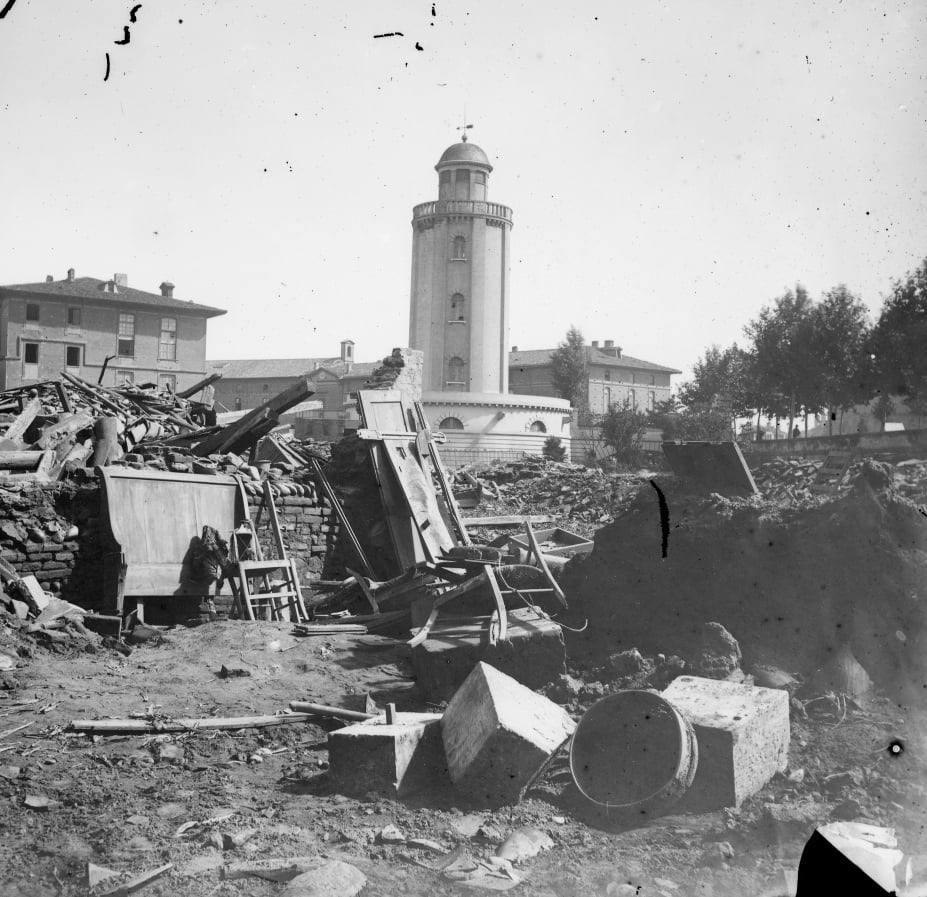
(87,326)
(613,377)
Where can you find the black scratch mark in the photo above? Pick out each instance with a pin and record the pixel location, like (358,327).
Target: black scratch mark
(664,518)
(126,37)
(433,10)
(133,11)
(418,46)
(106,76)
(9,5)
(390,34)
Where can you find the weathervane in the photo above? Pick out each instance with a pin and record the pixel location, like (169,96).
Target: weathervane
(463,128)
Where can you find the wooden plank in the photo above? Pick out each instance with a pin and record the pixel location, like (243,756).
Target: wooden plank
(185,724)
(341,515)
(28,460)
(508,520)
(403,533)
(419,495)
(240,433)
(16,430)
(542,563)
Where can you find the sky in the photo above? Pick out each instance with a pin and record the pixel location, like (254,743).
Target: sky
(672,166)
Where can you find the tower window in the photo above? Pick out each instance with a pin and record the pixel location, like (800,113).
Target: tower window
(462,176)
(455,372)
(451,423)
(460,248)
(479,177)
(445,178)
(537,427)
(457,308)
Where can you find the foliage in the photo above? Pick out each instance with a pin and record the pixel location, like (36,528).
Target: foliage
(721,378)
(569,368)
(839,335)
(783,372)
(697,421)
(554,449)
(898,343)
(622,429)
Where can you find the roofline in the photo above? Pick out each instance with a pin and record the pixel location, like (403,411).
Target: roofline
(205,311)
(651,366)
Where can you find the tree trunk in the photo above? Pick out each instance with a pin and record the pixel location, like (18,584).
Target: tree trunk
(759,432)
(830,421)
(791,415)
(806,424)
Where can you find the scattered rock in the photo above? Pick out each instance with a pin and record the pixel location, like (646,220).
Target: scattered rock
(626,663)
(390,835)
(720,654)
(332,879)
(523,844)
(848,809)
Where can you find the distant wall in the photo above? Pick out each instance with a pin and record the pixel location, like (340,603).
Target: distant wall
(909,442)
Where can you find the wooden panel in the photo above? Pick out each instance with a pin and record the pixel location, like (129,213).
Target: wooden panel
(715,466)
(153,518)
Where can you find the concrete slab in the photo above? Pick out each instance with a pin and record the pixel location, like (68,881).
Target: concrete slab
(389,759)
(533,653)
(743,738)
(497,734)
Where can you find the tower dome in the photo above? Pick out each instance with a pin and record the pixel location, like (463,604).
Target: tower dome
(464,153)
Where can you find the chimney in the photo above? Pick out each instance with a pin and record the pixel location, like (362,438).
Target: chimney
(167,289)
(70,275)
(121,280)
(49,278)
(514,348)
(347,350)
(609,344)
(595,344)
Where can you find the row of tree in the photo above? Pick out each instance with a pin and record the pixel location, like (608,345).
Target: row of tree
(805,357)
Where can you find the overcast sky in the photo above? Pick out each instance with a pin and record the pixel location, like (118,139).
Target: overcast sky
(671,167)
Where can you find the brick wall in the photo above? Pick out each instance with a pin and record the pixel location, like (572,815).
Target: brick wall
(53,533)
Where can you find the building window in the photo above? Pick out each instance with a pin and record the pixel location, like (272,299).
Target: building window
(125,345)
(72,356)
(479,177)
(450,423)
(457,307)
(608,375)
(445,178)
(537,427)
(127,377)
(633,378)
(265,388)
(30,353)
(462,176)
(74,316)
(460,248)
(651,400)
(32,312)
(167,345)
(632,398)
(652,380)
(168,382)
(238,403)
(455,372)
(608,398)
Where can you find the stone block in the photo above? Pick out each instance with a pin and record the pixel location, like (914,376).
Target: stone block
(533,652)
(390,759)
(743,738)
(497,735)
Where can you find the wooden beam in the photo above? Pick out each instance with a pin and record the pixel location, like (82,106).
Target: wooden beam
(240,433)
(200,384)
(144,726)
(17,429)
(507,520)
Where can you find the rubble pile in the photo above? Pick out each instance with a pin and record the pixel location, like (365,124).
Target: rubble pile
(791,583)
(586,497)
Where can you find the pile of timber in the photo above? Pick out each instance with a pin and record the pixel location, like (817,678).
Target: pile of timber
(51,429)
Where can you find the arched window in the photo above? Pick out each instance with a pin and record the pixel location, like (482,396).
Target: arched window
(538,427)
(457,307)
(460,248)
(450,423)
(455,372)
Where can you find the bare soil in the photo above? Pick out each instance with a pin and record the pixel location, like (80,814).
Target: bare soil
(118,801)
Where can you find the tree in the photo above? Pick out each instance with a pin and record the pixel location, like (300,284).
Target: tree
(554,449)
(898,343)
(721,382)
(784,365)
(569,368)
(839,333)
(622,429)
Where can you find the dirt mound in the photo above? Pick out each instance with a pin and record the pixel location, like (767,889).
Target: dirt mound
(791,583)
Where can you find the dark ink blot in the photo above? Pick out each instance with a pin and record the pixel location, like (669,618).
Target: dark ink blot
(433,10)
(895,748)
(418,46)
(106,76)
(664,518)
(11,3)
(126,37)
(133,11)
(390,34)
